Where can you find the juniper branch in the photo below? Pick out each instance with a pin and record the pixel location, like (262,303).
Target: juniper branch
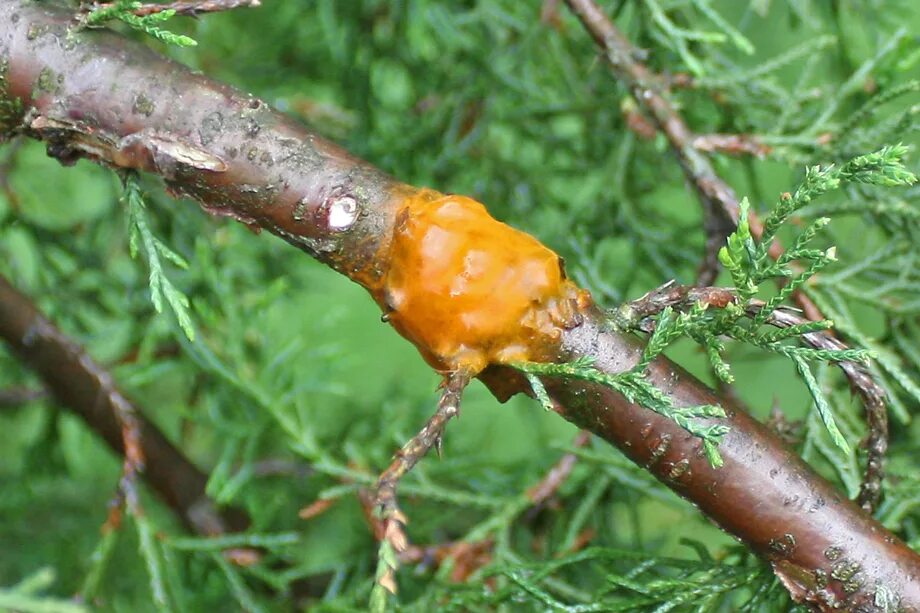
(74,380)
(190,8)
(147,21)
(142,238)
(79,384)
(622,57)
(720,204)
(640,315)
(394,541)
(287,187)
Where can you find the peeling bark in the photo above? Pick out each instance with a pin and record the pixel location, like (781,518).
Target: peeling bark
(94,94)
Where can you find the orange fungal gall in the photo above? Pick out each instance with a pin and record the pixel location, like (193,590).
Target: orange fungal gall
(470,291)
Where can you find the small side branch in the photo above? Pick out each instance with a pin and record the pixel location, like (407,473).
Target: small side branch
(394,520)
(717,196)
(14,397)
(732,144)
(720,204)
(82,386)
(638,314)
(467,556)
(557,475)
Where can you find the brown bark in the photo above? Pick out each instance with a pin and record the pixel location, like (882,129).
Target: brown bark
(78,383)
(98,95)
(647,89)
(821,545)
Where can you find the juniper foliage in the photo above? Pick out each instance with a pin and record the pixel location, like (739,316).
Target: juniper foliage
(748,263)
(291,392)
(123,11)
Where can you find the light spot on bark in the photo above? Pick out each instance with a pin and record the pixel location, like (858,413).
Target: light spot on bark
(342,213)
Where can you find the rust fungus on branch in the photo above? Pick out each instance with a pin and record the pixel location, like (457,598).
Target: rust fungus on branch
(469,291)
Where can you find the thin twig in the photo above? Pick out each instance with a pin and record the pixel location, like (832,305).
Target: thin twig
(645,87)
(732,144)
(872,395)
(720,205)
(560,471)
(188,8)
(467,557)
(14,397)
(134,458)
(394,520)
(636,313)
(549,13)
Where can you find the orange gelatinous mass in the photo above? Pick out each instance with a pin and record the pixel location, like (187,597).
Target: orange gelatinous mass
(470,291)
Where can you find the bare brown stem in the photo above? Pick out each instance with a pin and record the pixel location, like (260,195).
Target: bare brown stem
(466,556)
(732,144)
(556,476)
(79,384)
(13,397)
(720,205)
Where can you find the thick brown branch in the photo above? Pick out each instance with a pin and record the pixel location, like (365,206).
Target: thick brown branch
(80,385)
(97,95)
(764,494)
(635,314)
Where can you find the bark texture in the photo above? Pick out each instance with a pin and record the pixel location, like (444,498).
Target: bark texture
(98,95)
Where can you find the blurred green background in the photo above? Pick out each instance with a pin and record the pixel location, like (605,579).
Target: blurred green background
(292,367)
